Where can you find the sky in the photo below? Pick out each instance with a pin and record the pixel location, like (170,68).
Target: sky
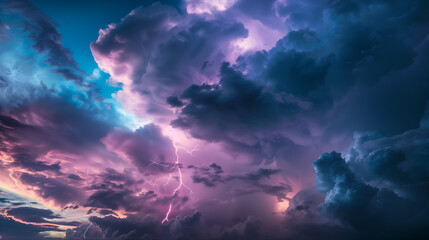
(214,119)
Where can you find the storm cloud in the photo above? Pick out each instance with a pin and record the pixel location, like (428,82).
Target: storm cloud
(297,119)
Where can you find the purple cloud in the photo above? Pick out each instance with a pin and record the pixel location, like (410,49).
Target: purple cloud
(147,148)
(290,120)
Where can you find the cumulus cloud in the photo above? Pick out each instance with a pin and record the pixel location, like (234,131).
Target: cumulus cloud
(236,111)
(182,49)
(395,163)
(378,190)
(367,192)
(332,74)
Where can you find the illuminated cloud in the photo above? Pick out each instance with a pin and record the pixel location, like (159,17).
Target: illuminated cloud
(181,50)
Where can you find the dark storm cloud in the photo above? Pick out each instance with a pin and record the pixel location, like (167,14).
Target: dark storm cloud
(247,117)
(148,202)
(255,8)
(70,207)
(397,163)
(377,191)
(64,127)
(185,227)
(237,100)
(46,40)
(12,131)
(49,124)
(190,226)
(79,126)
(114,190)
(89,231)
(132,227)
(174,101)
(56,189)
(12,229)
(111,176)
(290,67)
(344,66)
(75,177)
(248,229)
(148,149)
(296,73)
(29,162)
(110,199)
(256,184)
(235,111)
(212,175)
(303,219)
(341,68)
(208,176)
(302,40)
(106,212)
(254,177)
(374,211)
(3,82)
(37,215)
(367,42)
(9,202)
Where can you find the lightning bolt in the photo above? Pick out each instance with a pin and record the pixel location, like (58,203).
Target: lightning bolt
(84,234)
(167,214)
(179,171)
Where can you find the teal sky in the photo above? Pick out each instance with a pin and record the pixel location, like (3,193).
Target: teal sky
(79,25)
